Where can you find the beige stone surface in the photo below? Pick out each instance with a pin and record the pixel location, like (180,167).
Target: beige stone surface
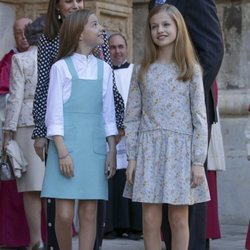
(115,17)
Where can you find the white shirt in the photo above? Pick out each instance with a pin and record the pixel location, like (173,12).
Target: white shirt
(123,78)
(60,90)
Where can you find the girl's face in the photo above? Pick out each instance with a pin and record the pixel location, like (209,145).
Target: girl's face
(68,6)
(92,34)
(163,29)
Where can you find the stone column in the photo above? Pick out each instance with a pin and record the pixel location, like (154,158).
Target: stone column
(234,75)
(140,12)
(115,17)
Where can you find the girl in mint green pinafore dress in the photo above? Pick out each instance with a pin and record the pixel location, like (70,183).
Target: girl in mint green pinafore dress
(85,139)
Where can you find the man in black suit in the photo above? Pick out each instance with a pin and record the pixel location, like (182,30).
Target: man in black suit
(205,32)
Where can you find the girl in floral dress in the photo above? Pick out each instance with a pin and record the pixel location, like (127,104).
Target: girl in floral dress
(166,129)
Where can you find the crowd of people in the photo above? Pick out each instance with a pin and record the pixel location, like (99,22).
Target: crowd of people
(125,149)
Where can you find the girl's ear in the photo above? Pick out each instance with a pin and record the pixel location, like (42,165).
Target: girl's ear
(81,36)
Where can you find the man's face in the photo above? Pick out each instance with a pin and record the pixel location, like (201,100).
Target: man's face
(21,42)
(118,49)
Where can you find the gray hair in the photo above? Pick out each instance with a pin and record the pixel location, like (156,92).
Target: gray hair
(34,30)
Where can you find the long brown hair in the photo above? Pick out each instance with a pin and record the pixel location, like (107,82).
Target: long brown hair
(53,24)
(183,55)
(70,32)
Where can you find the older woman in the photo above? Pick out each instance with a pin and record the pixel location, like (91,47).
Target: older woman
(19,124)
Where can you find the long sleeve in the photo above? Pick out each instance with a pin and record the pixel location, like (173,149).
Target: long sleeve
(119,103)
(205,31)
(54,112)
(47,52)
(15,100)
(199,119)
(108,104)
(133,116)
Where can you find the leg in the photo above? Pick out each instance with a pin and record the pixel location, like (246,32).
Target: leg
(87,219)
(178,219)
(152,217)
(33,211)
(63,223)
(165,227)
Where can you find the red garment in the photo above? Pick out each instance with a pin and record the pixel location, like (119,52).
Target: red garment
(5,65)
(248,238)
(213,225)
(14,230)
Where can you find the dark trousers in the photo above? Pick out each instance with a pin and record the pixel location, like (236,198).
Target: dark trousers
(51,235)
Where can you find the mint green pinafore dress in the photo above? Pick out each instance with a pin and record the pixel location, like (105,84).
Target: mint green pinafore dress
(84,137)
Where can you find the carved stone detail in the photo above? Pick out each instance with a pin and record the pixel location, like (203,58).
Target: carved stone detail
(115,18)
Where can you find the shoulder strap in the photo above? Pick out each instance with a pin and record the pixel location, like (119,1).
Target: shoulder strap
(100,66)
(71,67)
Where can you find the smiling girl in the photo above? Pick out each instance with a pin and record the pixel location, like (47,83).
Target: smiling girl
(166,129)
(80,117)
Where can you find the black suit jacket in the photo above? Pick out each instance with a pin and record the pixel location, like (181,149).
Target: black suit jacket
(205,32)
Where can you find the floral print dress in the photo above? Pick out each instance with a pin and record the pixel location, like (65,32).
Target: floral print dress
(166,133)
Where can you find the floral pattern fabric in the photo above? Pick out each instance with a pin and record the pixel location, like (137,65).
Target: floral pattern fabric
(23,79)
(166,133)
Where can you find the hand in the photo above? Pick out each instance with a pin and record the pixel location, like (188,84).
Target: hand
(67,166)
(111,164)
(130,172)
(7,136)
(198,176)
(118,137)
(41,147)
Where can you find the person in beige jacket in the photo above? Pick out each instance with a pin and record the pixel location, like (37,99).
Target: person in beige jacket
(19,125)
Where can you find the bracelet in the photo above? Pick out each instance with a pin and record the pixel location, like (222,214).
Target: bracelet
(63,157)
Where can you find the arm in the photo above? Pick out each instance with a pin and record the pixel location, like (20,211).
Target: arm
(199,119)
(15,100)
(111,159)
(54,120)
(200,130)
(133,116)
(205,31)
(47,52)
(119,104)
(109,120)
(65,160)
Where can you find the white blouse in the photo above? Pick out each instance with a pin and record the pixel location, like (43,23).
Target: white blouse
(60,90)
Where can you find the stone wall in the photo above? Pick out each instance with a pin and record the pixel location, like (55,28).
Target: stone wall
(116,17)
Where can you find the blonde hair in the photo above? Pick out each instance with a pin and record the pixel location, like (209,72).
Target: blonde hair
(183,55)
(70,32)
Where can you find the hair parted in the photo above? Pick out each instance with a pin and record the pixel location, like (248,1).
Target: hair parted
(183,55)
(70,32)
